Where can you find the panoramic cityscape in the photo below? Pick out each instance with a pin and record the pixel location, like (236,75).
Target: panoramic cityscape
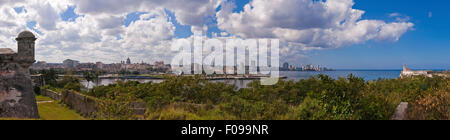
(236,60)
(142,67)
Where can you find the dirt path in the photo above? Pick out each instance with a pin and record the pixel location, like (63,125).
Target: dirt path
(40,102)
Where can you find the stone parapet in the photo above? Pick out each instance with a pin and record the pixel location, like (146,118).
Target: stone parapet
(17,98)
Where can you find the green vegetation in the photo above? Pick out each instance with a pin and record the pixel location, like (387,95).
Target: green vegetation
(59,90)
(52,110)
(50,76)
(13,119)
(40,98)
(317,98)
(55,111)
(69,82)
(91,76)
(116,108)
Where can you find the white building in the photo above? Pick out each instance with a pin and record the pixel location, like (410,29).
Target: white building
(407,72)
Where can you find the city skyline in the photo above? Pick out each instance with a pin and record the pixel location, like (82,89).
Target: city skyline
(355,35)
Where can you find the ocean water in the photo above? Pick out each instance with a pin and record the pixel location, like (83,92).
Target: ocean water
(367,75)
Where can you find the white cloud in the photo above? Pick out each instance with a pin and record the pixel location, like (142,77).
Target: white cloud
(11,23)
(94,36)
(188,12)
(308,24)
(99,34)
(88,40)
(400,17)
(10,2)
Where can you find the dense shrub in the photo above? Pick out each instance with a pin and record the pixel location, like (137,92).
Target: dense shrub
(119,107)
(316,98)
(432,107)
(310,109)
(70,83)
(50,77)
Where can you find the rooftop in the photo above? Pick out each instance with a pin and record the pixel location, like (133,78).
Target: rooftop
(6,51)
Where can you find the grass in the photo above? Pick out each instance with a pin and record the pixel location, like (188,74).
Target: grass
(52,110)
(55,111)
(13,119)
(40,98)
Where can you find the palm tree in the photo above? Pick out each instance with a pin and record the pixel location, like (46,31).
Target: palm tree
(89,77)
(97,77)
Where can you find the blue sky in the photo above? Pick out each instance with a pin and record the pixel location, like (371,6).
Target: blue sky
(425,46)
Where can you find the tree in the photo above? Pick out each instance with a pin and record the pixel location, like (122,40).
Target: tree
(116,107)
(123,72)
(70,82)
(89,77)
(50,77)
(97,77)
(136,72)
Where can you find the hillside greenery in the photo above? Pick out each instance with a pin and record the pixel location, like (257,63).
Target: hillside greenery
(316,98)
(56,111)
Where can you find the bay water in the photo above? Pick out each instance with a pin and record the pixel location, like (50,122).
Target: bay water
(367,75)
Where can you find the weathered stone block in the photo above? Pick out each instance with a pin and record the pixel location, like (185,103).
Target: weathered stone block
(401,112)
(17,98)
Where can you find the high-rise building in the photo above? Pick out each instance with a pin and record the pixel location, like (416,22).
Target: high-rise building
(68,63)
(285,66)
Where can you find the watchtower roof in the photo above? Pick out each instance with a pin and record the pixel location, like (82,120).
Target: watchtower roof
(26,34)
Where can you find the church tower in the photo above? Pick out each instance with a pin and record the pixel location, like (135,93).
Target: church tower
(128,61)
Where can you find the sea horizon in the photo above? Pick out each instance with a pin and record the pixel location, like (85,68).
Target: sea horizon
(388,69)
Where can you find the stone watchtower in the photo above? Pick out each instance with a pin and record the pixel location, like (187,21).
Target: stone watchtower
(16,91)
(25,49)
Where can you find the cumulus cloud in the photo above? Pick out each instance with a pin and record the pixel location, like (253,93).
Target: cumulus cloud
(99,33)
(188,12)
(308,24)
(94,36)
(9,2)
(11,23)
(86,39)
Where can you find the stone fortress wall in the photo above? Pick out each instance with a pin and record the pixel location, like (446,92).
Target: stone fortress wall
(17,98)
(85,105)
